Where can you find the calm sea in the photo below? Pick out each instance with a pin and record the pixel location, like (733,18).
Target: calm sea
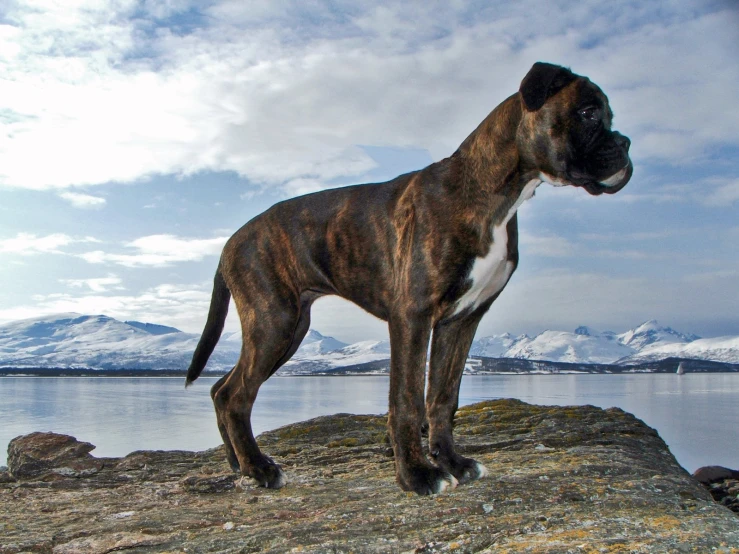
(696,414)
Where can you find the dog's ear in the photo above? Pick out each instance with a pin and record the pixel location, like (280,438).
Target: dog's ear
(543,81)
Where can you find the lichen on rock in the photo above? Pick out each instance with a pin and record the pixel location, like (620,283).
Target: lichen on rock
(562,479)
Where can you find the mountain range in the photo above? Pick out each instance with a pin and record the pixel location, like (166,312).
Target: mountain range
(100,342)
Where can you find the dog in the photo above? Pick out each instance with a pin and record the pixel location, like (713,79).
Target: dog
(428,252)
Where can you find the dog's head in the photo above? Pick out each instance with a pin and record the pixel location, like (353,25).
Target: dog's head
(565,133)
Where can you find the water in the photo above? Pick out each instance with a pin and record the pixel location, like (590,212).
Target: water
(696,414)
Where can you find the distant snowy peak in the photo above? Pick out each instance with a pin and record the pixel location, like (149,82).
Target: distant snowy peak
(719,349)
(315,344)
(367,347)
(91,341)
(651,332)
(650,341)
(495,346)
(563,346)
(60,327)
(153,328)
(586,331)
(352,354)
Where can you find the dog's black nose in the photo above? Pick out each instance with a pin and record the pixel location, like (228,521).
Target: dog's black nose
(622,141)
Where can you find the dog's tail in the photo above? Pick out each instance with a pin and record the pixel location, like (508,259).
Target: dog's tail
(213,328)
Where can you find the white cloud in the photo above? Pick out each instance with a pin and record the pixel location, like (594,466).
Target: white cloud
(182,306)
(724,195)
(84,201)
(27,244)
(297,187)
(550,246)
(282,98)
(96,284)
(159,251)
(711,191)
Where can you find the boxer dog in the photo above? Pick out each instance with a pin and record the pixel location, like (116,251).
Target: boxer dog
(428,252)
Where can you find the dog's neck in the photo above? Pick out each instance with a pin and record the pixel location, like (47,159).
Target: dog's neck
(489,166)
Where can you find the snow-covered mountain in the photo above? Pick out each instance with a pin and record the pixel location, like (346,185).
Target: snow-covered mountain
(101,342)
(719,349)
(652,333)
(349,355)
(315,344)
(494,346)
(647,342)
(563,346)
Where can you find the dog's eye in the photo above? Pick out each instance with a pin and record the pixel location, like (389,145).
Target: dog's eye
(591,113)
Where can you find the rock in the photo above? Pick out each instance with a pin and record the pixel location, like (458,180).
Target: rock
(5,476)
(722,483)
(208,483)
(711,474)
(51,455)
(612,486)
(103,544)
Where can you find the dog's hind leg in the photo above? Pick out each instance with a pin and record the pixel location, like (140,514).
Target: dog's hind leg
(230,454)
(301,329)
(267,345)
(450,346)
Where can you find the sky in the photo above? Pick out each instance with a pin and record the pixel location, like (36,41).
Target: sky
(136,136)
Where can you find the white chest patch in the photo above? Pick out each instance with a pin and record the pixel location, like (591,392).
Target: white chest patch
(489,274)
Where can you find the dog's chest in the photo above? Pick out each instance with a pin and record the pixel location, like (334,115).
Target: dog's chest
(490,273)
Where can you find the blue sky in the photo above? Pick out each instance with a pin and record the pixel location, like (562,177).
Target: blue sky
(136,136)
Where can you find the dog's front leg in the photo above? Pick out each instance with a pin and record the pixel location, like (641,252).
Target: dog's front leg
(409,337)
(449,349)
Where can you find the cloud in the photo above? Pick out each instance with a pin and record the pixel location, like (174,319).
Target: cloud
(96,284)
(182,306)
(159,251)
(550,246)
(283,95)
(297,187)
(84,201)
(27,244)
(711,191)
(723,195)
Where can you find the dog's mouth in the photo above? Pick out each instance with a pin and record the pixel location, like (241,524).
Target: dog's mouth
(612,184)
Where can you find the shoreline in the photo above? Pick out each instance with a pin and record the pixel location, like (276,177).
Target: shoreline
(485,366)
(105,374)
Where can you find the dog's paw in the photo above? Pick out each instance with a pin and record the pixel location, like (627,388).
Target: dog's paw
(464,469)
(426,480)
(446,483)
(269,475)
(278,481)
(474,472)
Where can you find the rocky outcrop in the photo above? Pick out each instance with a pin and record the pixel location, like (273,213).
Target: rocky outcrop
(573,479)
(722,483)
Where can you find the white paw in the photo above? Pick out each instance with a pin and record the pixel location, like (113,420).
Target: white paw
(482,471)
(277,484)
(444,484)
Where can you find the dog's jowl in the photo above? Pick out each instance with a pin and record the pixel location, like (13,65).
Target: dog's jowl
(428,252)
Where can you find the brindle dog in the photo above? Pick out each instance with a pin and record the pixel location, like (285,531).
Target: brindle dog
(428,252)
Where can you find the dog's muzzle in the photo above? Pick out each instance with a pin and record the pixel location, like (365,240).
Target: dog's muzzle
(612,184)
(618,180)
